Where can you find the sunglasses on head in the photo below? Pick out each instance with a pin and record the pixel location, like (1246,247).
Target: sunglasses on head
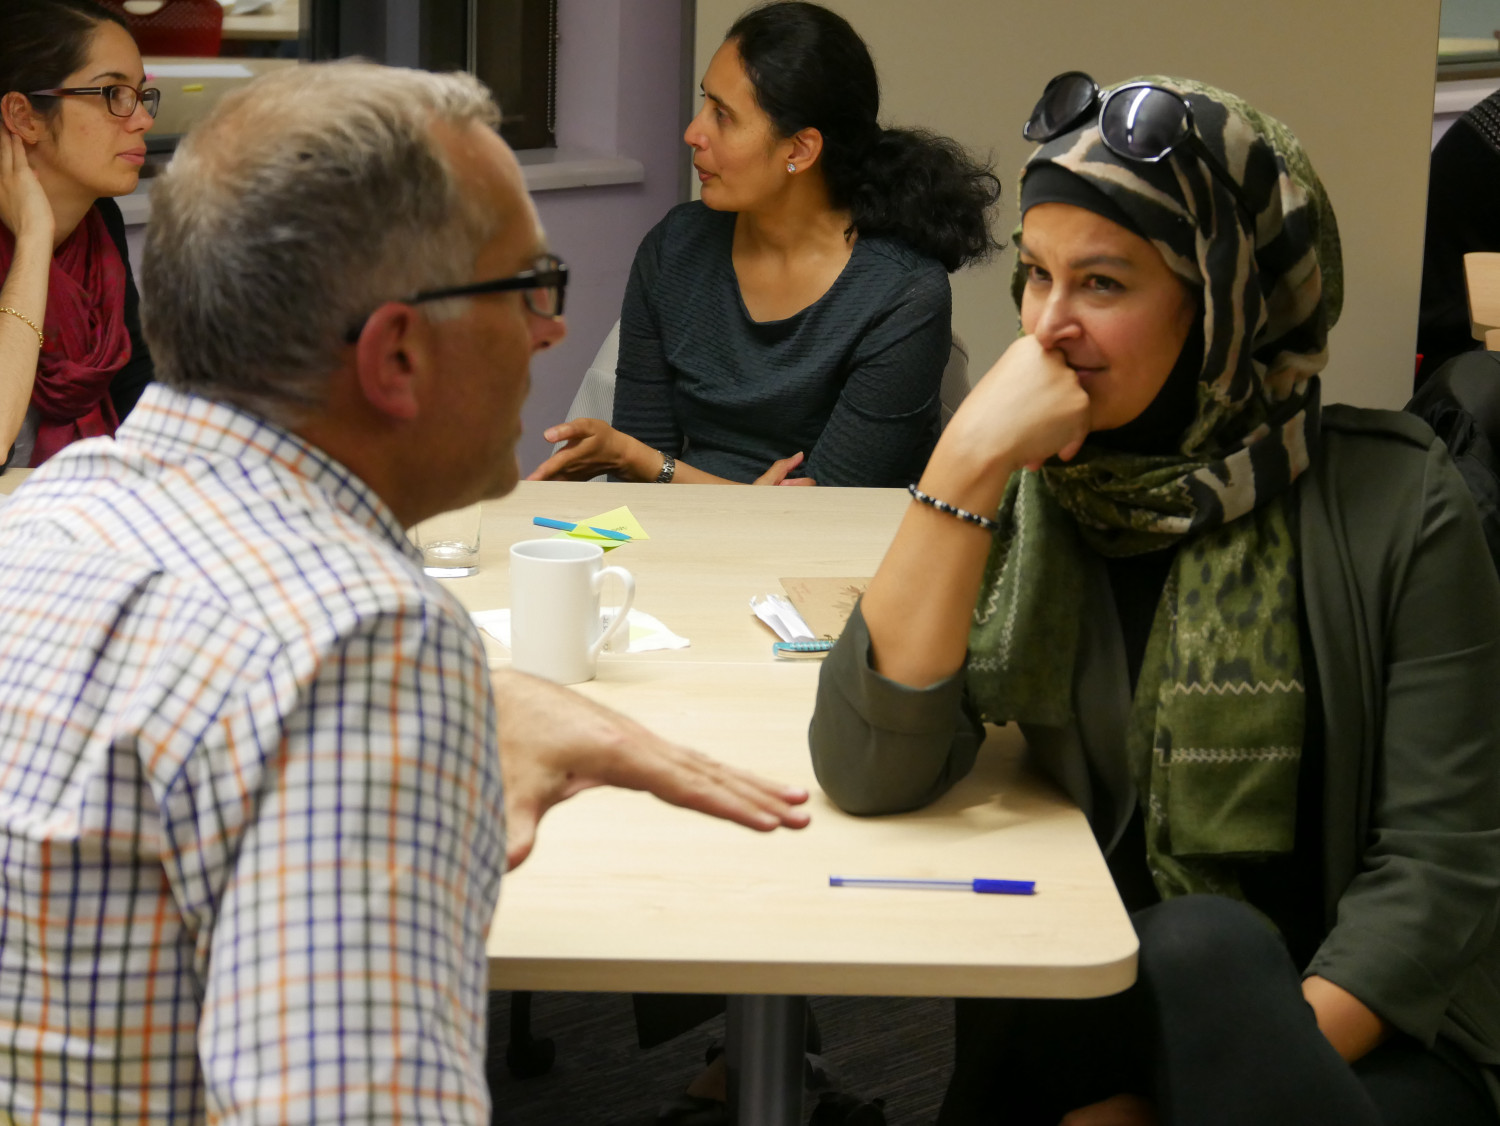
(1138,121)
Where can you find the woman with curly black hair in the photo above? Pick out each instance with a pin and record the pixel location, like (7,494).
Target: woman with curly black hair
(793,326)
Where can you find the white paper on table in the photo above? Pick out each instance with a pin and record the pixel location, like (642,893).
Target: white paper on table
(246,7)
(783,618)
(646,632)
(200,70)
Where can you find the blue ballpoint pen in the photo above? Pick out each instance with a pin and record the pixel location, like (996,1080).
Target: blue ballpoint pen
(564,526)
(984,887)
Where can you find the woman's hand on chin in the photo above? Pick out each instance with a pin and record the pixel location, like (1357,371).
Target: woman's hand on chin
(591,447)
(24,207)
(1028,407)
(777,474)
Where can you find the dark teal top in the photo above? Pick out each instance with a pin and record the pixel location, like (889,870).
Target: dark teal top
(852,380)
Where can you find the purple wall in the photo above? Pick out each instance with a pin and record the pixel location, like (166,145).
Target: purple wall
(618,93)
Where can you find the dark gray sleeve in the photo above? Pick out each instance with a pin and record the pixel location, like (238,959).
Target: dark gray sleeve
(643,381)
(881,747)
(1425,903)
(885,421)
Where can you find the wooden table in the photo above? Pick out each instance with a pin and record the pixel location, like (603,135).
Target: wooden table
(624,893)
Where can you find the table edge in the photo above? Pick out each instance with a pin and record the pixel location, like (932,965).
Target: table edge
(563,975)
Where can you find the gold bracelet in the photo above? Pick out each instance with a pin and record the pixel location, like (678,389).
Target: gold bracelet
(41,341)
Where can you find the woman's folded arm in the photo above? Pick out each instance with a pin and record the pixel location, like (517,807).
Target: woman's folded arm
(883,747)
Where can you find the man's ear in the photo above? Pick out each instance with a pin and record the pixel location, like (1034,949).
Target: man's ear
(806,147)
(21,118)
(392,359)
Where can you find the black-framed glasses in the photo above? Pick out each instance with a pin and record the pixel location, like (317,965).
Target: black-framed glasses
(1137,121)
(542,288)
(120,99)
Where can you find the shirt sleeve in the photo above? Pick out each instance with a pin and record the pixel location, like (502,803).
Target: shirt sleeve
(1424,905)
(643,380)
(344,971)
(885,422)
(883,747)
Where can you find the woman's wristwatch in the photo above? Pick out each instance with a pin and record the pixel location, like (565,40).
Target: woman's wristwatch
(668,470)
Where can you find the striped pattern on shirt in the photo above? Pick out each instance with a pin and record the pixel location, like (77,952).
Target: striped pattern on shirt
(250,805)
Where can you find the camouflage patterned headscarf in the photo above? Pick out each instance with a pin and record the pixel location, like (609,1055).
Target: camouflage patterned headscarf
(1216,730)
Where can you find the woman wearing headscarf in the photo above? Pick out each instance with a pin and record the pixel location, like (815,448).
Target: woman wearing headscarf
(1227,624)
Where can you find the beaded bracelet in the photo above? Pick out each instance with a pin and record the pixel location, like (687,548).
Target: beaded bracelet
(952,510)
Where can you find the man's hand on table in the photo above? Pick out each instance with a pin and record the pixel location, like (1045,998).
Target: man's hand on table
(555,743)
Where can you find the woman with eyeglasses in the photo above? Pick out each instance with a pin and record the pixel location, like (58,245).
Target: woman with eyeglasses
(793,325)
(74,114)
(1256,641)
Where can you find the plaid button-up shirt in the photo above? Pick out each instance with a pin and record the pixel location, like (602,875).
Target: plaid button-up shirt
(250,806)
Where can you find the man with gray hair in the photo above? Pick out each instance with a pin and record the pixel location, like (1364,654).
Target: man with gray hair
(251,792)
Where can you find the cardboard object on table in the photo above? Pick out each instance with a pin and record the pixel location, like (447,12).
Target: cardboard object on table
(825,604)
(1482,281)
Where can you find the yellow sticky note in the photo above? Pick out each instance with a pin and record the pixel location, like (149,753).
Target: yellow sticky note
(615,520)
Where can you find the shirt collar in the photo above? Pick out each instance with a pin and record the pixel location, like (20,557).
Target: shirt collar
(177,426)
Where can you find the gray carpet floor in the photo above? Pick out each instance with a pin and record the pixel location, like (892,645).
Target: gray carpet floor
(895,1048)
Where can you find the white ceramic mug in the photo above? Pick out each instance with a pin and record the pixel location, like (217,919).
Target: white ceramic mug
(555,626)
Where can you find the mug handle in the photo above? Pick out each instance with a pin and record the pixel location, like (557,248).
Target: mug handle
(622,619)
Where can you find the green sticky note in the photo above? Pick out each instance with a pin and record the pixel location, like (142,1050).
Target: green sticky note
(615,520)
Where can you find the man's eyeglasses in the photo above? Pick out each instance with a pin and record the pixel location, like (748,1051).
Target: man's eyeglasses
(121,100)
(1137,121)
(542,288)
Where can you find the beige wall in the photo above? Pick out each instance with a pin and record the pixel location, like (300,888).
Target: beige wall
(1353,79)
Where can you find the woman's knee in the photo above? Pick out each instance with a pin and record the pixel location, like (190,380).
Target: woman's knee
(1210,938)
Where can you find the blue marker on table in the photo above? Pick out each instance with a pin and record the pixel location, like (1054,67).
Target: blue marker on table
(564,526)
(984,887)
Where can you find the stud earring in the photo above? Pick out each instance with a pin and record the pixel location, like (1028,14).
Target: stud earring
(791,167)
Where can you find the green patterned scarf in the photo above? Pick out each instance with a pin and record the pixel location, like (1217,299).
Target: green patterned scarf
(1215,734)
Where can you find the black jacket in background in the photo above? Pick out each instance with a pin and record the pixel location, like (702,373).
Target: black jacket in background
(1462,216)
(1461,402)
(126,387)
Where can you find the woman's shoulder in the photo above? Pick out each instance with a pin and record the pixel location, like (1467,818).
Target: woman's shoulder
(683,240)
(689,224)
(898,256)
(1380,470)
(890,266)
(681,252)
(1363,439)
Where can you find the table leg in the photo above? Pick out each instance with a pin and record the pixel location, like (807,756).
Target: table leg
(764,1041)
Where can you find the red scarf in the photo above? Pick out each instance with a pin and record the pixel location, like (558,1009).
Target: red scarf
(87,341)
